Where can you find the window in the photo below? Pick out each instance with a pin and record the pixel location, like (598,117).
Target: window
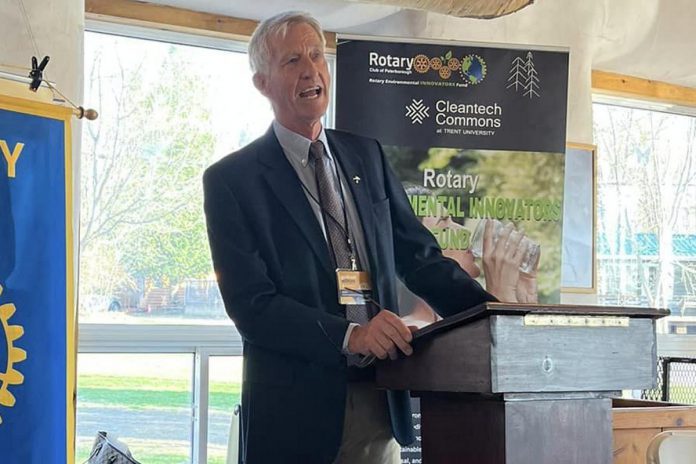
(225,387)
(646,188)
(157,350)
(167,111)
(143,399)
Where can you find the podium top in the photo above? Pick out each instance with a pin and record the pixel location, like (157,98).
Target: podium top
(518,309)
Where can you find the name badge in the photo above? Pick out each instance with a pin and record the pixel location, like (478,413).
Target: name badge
(354,287)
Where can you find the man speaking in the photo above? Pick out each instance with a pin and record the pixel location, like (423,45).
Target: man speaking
(309,230)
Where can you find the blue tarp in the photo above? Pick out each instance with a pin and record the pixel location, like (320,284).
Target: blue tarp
(646,244)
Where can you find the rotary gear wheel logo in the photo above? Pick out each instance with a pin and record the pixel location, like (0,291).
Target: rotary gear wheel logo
(472,68)
(10,376)
(421,63)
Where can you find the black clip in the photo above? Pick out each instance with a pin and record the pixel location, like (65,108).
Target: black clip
(36,73)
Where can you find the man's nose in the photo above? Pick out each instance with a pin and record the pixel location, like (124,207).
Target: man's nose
(309,68)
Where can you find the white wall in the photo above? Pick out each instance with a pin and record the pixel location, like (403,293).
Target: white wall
(58,27)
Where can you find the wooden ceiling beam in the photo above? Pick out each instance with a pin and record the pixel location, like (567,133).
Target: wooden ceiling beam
(620,85)
(133,12)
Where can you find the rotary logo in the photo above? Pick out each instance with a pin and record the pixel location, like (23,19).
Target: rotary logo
(9,376)
(472,68)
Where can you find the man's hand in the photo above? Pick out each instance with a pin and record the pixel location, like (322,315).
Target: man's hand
(382,336)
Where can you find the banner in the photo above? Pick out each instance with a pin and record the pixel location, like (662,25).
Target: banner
(474,133)
(37,349)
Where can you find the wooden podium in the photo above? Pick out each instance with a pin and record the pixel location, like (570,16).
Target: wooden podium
(525,384)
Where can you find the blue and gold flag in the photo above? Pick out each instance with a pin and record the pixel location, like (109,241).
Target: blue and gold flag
(37,349)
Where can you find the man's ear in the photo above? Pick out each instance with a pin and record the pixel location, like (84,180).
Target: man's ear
(261,83)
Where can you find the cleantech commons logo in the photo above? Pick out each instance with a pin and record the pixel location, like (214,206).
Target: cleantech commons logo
(417,111)
(455,116)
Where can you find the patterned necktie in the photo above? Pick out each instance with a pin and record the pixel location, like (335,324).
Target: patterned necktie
(335,221)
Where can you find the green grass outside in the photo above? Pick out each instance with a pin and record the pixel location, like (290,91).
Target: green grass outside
(682,394)
(148,456)
(151,458)
(148,393)
(139,393)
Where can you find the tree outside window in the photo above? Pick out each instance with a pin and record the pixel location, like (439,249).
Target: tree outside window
(646,201)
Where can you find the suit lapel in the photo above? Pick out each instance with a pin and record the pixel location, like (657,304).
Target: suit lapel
(352,166)
(284,183)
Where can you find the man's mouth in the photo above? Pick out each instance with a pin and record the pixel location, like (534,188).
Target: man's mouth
(312,92)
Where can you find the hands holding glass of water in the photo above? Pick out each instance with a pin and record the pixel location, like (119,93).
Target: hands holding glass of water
(510,261)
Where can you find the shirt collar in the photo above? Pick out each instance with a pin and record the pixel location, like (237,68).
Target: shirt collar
(295,145)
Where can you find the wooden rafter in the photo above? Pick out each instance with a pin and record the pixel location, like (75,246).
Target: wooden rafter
(621,85)
(175,19)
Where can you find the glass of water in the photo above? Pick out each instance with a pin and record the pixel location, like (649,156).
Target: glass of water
(531,248)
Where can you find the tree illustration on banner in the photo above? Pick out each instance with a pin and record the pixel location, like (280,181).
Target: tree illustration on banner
(532,84)
(524,76)
(518,74)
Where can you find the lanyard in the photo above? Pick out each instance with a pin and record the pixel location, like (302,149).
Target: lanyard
(324,214)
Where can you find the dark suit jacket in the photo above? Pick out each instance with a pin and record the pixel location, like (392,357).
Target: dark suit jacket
(273,268)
